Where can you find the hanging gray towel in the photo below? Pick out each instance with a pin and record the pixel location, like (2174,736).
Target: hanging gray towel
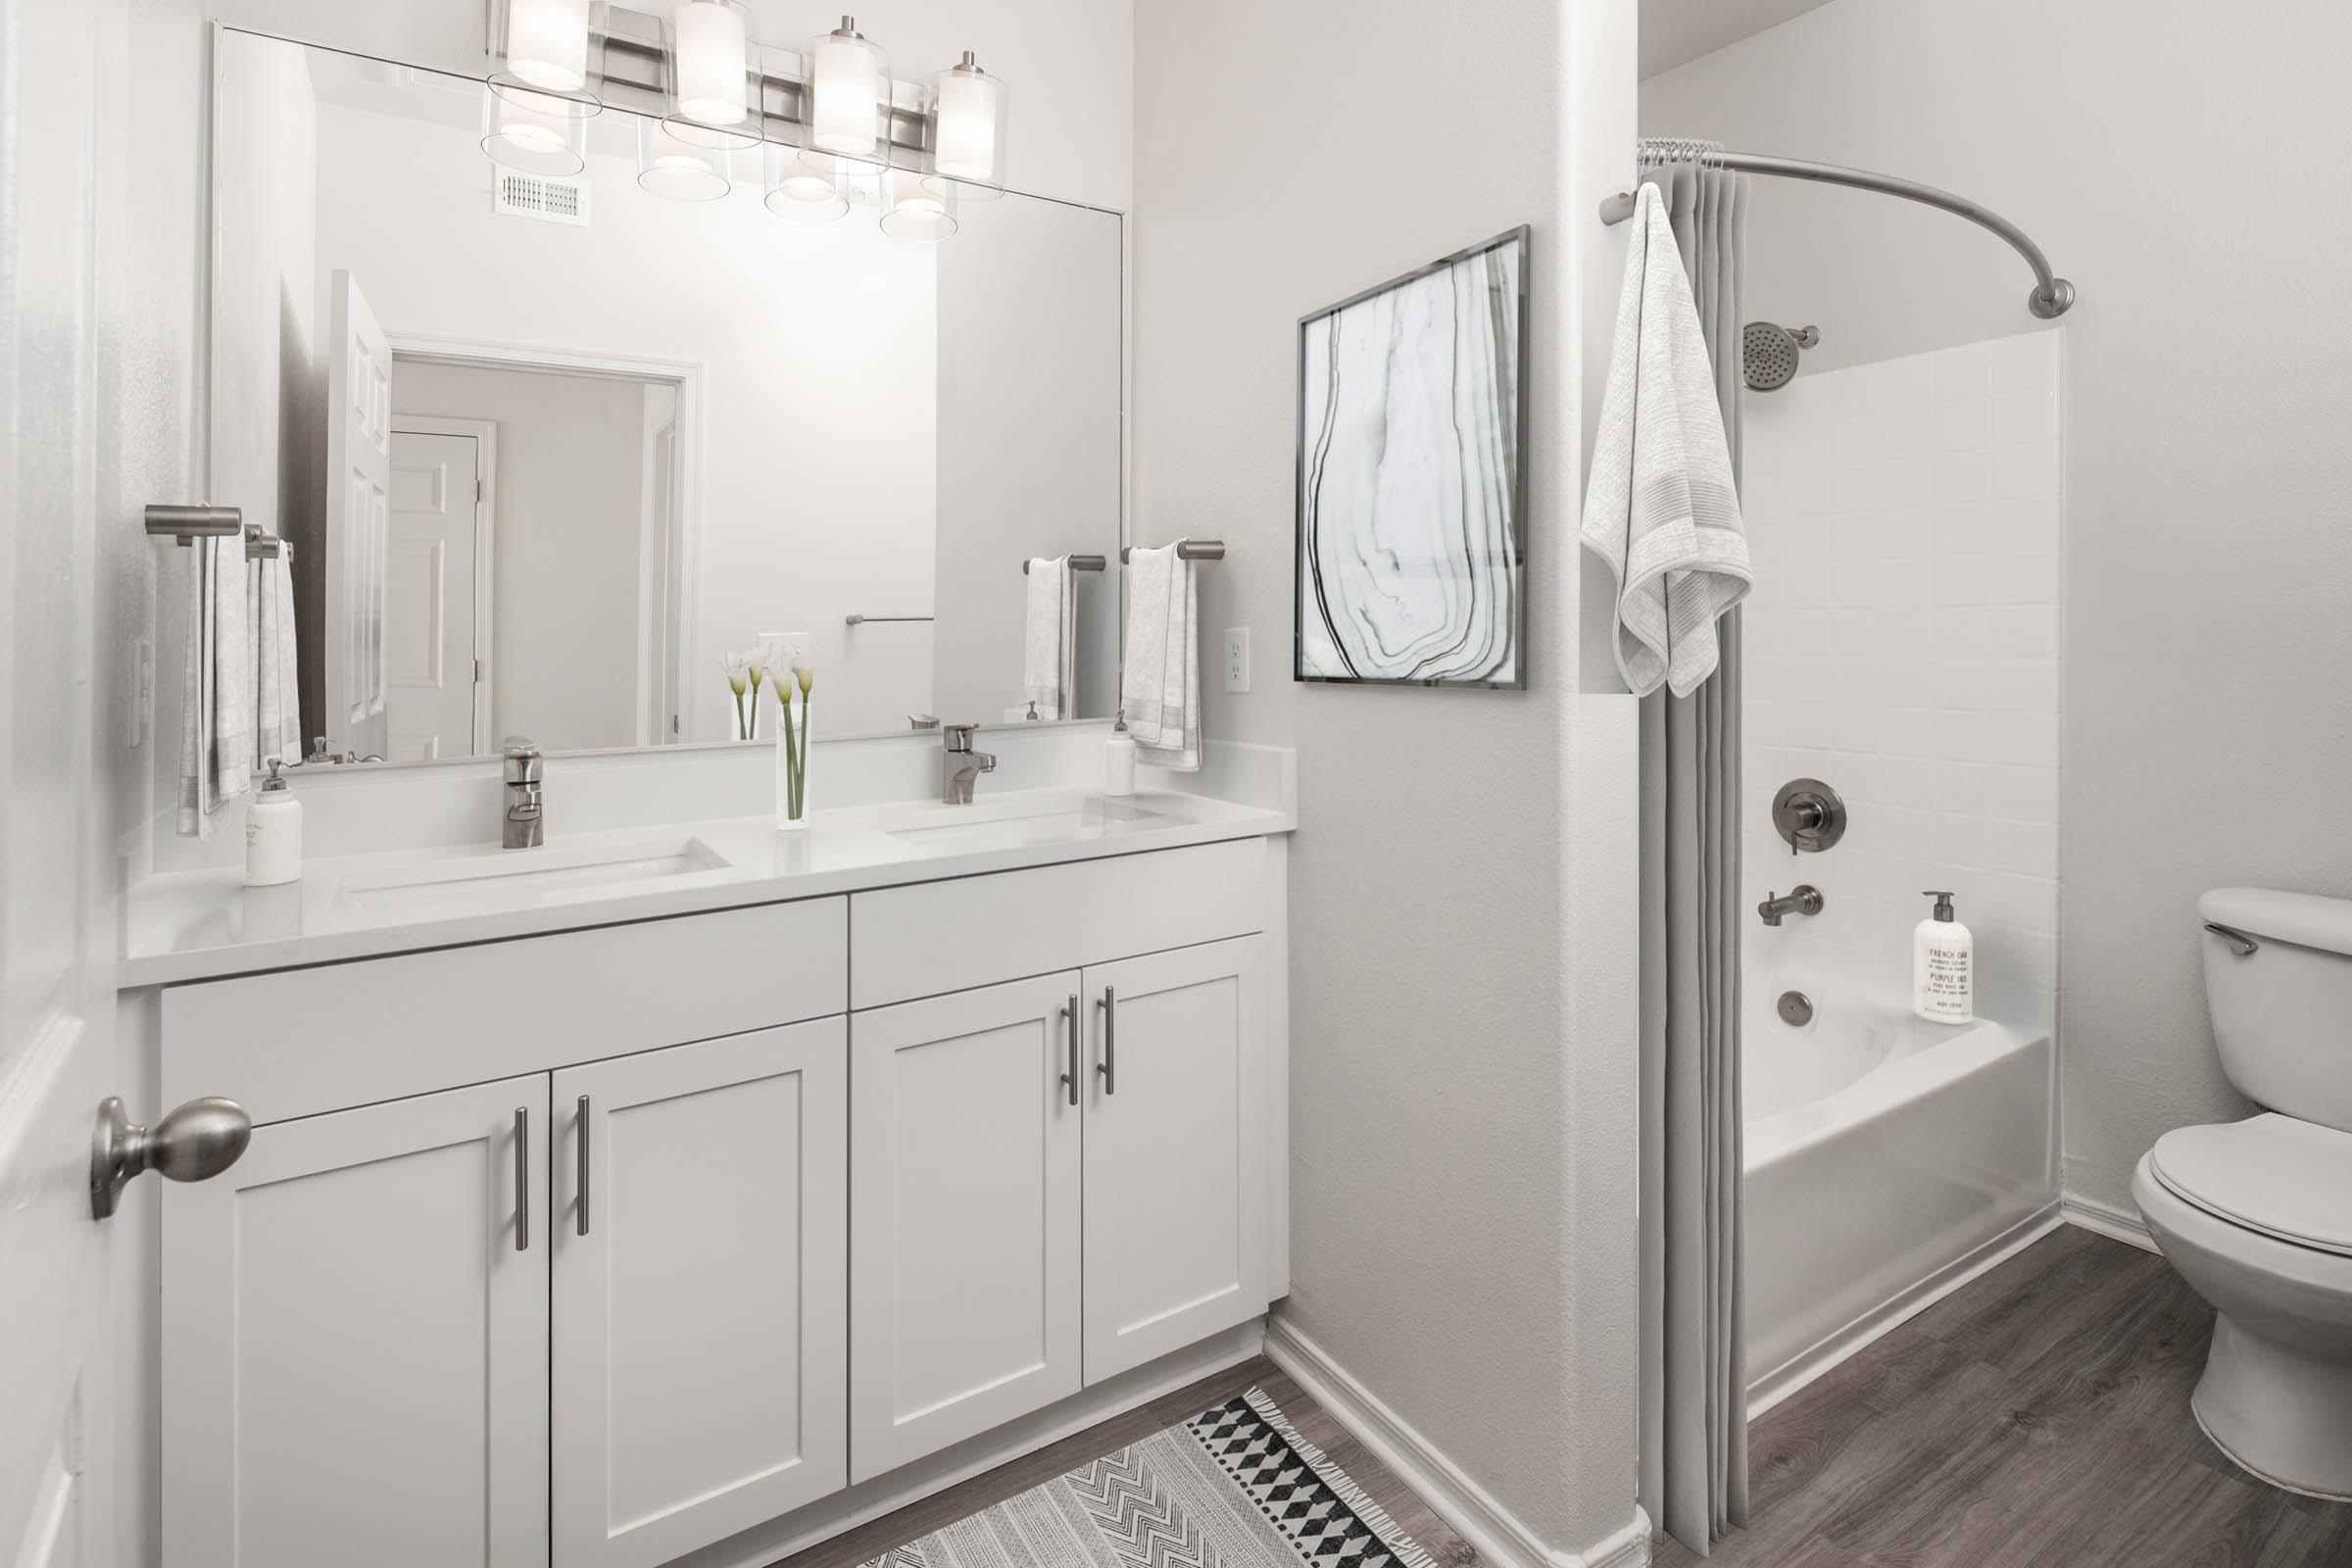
(215,708)
(277,705)
(1661,508)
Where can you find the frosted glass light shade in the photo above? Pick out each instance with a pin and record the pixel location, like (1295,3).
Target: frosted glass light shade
(714,60)
(849,88)
(678,170)
(543,47)
(916,208)
(800,185)
(535,134)
(967,128)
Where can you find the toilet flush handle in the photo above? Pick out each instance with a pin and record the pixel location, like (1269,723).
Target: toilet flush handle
(2244,946)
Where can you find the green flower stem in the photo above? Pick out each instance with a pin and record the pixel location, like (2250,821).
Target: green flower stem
(800,776)
(739,730)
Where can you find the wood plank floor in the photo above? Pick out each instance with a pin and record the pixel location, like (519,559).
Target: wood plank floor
(1411,1514)
(2038,1417)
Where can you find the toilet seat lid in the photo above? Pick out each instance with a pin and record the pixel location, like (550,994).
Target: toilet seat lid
(2269,1173)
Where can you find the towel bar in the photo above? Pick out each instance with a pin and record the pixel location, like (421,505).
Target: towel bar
(1194,550)
(187,524)
(861,620)
(259,546)
(1077,564)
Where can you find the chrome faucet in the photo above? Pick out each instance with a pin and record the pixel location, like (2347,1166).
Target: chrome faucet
(526,772)
(1803,899)
(959,765)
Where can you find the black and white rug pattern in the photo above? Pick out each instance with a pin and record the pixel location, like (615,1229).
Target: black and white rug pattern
(1234,1486)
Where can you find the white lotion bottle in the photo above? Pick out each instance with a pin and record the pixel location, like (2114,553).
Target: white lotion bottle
(1118,762)
(1943,965)
(273,833)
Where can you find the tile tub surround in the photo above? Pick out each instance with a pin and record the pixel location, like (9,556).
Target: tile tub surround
(1903,644)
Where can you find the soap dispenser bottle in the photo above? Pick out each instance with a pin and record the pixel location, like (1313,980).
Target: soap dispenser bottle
(272,833)
(1118,760)
(1943,966)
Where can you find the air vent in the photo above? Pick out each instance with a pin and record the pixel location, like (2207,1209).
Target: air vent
(554,201)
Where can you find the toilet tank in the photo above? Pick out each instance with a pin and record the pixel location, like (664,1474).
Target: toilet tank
(2283,1013)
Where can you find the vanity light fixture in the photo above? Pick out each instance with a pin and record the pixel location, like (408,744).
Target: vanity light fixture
(968,130)
(714,74)
(542,48)
(670,166)
(917,207)
(859,183)
(533,132)
(849,94)
(800,185)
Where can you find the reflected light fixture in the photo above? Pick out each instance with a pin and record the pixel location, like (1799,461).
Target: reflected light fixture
(670,166)
(967,128)
(849,88)
(714,59)
(800,185)
(915,207)
(536,132)
(542,46)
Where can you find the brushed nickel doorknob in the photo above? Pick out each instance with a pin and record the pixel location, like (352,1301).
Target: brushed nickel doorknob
(200,1138)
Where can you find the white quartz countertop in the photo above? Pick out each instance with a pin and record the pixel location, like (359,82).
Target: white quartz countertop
(200,925)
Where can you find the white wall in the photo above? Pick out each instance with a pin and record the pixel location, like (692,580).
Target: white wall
(1902,645)
(2159,154)
(1444,1250)
(1030,385)
(1069,63)
(815,346)
(565,543)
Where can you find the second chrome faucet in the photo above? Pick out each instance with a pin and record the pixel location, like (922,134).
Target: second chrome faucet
(960,765)
(1803,899)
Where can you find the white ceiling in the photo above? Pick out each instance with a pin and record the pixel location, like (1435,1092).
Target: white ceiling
(1674,31)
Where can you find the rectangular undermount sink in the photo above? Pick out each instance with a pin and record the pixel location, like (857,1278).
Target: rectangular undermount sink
(1061,824)
(517,879)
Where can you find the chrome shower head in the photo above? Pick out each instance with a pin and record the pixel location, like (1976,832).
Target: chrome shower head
(1768,353)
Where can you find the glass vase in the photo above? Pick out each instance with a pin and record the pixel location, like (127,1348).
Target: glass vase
(792,804)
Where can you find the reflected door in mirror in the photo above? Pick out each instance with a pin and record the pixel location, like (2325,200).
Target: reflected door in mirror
(432,667)
(359,454)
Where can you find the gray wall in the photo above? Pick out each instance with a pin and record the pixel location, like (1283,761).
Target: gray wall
(1451,1246)
(2172,160)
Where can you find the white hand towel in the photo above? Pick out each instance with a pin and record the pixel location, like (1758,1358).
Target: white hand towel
(1159,689)
(215,711)
(1049,637)
(277,705)
(1661,508)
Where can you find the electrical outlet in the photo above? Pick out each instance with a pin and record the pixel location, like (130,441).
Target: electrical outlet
(1237,659)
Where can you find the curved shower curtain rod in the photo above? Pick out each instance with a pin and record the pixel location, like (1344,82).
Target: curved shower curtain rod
(2052,294)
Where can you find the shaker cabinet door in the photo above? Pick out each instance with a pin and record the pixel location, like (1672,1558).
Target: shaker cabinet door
(355,1341)
(963,1216)
(701,1336)
(1175,1221)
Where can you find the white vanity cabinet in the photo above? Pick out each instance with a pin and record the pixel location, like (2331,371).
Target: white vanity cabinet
(599,1248)
(354,1340)
(700,1347)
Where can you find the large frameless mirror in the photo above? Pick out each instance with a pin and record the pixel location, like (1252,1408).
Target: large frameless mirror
(549,443)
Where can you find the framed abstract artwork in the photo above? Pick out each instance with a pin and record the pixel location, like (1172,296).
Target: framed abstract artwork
(1412,477)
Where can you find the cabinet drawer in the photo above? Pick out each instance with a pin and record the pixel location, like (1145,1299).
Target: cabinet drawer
(950,935)
(303,1041)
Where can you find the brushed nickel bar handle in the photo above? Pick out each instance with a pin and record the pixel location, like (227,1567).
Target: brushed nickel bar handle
(1069,1079)
(1109,1067)
(522,1179)
(583,1170)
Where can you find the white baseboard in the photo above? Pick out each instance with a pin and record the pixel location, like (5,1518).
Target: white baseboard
(1800,1370)
(2122,1225)
(1500,1538)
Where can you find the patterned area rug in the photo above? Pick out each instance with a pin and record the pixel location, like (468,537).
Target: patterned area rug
(1234,1486)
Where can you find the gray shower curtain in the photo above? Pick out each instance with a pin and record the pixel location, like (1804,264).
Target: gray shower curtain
(1694,1345)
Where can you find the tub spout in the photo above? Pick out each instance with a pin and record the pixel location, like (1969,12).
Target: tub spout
(1803,899)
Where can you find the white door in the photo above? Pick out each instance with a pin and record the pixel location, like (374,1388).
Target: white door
(701,1348)
(355,1341)
(963,1216)
(1175,1221)
(358,483)
(433,671)
(56,1427)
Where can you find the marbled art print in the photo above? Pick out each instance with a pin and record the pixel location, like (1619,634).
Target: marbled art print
(1411,492)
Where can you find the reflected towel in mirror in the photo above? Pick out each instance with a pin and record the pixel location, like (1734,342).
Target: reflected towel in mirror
(1050,637)
(216,710)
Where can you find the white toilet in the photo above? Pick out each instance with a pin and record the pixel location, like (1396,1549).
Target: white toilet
(2257,1214)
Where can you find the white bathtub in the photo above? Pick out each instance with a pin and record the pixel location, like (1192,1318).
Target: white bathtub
(1888,1160)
